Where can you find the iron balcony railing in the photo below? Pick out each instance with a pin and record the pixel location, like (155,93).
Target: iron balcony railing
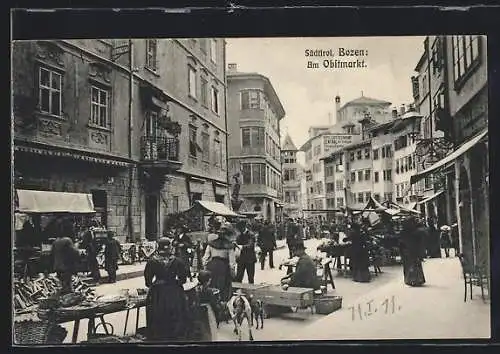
(155,148)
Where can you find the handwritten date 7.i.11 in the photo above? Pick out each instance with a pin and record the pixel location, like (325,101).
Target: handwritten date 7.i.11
(387,307)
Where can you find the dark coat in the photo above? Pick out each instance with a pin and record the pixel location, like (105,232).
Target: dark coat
(65,255)
(267,239)
(247,240)
(112,254)
(305,275)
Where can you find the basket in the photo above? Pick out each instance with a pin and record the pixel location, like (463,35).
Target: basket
(79,311)
(31,332)
(56,335)
(111,338)
(327,304)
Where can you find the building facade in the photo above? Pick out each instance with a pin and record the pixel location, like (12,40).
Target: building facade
(468,108)
(292,173)
(254,112)
(122,120)
(358,173)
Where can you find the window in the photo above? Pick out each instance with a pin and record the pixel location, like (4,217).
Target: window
(340,202)
(360,197)
(351,156)
(205,145)
(193,144)
(360,176)
(329,170)
(376,196)
(213,50)
(330,203)
(465,55)
(245,137)
(215,100)
(195,197)
(339,185)
(250,99)
(375,154)
(247,173)
(151,53)
(50,97)
(367,175)
(437,58)
(388,197)
(367,153)
(258,173)
(99,107)
(375,176)
(353,177)
(217,153)
(359,154)
(175,204)
(317,150)
(287,197)
(204,92)
(192,82)
(397,166)
(367,196)
(387,175)
(330,187)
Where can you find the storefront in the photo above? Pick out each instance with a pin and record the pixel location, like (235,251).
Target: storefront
(471,185)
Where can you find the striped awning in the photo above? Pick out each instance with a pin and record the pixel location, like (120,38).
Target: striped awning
(78,155)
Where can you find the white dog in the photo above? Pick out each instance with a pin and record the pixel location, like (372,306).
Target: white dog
(240,309)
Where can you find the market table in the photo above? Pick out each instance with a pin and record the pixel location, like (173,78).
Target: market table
(138,304)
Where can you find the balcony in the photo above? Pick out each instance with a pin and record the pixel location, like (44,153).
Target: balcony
(160,152)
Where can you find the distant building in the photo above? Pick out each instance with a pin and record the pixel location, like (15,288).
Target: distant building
(254,115)
(292,173)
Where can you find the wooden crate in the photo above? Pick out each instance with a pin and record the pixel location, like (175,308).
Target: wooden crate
(292,297)
(249,289)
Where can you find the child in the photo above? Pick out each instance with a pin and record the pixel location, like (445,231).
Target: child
(210,296)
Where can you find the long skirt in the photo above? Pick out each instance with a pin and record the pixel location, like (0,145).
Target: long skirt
(360,266)
(221,277)
(166,313)
(413,272)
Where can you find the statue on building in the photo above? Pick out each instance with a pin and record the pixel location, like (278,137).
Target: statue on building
(235,195)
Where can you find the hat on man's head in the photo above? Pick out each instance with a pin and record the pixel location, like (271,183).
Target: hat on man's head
(164,245)
(445,228)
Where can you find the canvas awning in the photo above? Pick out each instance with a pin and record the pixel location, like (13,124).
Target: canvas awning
(374,205)
(404,209)
(428,199)
(215,208)
(450,158)
(31,201)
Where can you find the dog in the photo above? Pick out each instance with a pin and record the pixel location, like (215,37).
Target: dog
(240,309)
(257,312)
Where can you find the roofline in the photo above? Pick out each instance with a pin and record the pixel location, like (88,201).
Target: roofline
(243,76)
(421,61)
(350,103)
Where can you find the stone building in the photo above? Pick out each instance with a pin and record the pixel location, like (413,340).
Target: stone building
(99,117)
(465,121)
(292,173)
(255,112)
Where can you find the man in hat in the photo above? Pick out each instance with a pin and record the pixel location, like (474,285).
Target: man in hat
(248,257)
(184,246)
(305,275)
(445,238)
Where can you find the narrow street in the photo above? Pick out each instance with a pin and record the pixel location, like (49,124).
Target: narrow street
(275,328)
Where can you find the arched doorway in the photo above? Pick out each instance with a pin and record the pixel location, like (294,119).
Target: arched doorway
(268,212)
(465,215)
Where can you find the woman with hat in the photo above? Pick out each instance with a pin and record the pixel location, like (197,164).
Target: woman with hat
(445,238)
(166,305)
(412,236)
(219,259)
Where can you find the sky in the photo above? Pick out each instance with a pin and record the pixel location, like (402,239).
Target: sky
(308,95)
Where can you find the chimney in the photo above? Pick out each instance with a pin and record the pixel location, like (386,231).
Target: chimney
(402,109)
(337,108)
(394,113)
(232,67)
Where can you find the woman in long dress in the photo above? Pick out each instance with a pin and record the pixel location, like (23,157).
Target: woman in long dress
(219,260)
(166,304)
(359,252)
(412,236)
